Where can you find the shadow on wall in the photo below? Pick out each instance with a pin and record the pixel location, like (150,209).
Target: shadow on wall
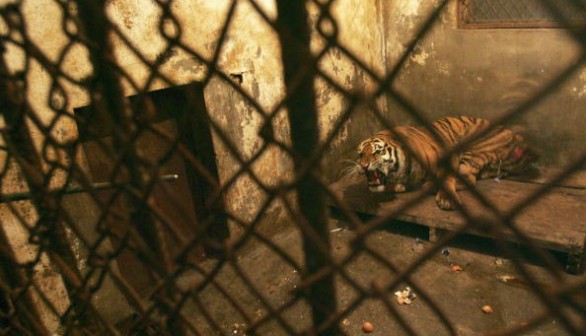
(551,123)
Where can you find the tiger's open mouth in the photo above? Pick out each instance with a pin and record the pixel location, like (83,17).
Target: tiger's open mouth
(376,180)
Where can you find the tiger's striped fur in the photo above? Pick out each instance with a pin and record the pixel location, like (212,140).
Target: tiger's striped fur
(407,157)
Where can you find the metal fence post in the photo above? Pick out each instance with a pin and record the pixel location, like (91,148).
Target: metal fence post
(299,74)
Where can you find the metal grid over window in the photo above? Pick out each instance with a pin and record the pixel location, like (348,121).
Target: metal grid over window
(125,221)
(521,14)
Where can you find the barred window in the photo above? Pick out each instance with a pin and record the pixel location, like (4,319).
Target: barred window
(521,13)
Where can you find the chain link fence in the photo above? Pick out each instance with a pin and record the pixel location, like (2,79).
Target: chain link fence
(134,205)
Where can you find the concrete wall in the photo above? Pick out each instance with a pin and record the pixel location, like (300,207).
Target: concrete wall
(251,52)
(486,72)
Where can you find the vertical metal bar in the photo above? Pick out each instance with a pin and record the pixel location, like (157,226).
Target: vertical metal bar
(108,99)
(299,72)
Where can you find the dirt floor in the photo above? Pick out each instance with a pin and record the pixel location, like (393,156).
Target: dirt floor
(487,278)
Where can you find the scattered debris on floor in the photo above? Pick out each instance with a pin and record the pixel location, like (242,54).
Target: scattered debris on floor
(507,278)
(487,309)
(405,296)
(418,246)
(446,253)
(453,266)
(340,227)
(239,329)
(367,327)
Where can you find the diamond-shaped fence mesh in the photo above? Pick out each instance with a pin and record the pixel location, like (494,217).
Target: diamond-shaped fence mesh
(172,167)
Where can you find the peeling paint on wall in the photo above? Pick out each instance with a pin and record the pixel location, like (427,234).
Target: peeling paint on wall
(443,68)
(408,7)
(420,56)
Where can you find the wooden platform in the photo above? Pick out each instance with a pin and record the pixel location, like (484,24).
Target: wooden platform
(556,221)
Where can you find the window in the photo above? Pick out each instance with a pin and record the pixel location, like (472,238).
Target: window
(521,13)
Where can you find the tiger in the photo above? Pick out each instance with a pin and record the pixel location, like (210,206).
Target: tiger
(408,158)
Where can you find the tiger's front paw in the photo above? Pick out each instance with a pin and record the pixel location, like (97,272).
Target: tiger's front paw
(444,201)
(398,188)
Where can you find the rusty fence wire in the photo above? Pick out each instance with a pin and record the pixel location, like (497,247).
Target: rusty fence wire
(115,213)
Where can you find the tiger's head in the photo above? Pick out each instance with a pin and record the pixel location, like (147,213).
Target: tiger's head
(381,159)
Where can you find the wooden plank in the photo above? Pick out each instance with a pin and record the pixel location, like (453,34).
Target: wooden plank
(577,180)
(556,221)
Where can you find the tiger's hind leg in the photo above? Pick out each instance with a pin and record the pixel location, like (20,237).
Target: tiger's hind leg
(447,198)
(468,173)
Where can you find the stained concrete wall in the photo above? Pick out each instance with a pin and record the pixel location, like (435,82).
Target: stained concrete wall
(250,51)
(486,72)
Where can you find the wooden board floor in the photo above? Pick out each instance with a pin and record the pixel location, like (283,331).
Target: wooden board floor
(556,221)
